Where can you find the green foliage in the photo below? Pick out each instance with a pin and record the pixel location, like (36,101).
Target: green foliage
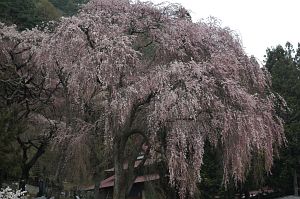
(154,190)
(9,151)
(211,173)
(284,66)
(18,12)
(68,7)
(29,13)
(46,10)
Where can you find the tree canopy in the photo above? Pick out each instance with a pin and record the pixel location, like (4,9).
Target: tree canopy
(155,77)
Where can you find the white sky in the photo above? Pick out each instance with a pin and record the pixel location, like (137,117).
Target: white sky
(260,23)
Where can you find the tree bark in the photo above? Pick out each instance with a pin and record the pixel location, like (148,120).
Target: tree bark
(97,179)
(27,165)
(24,177)
(96,190)
(119,185)
(41,185)
(296,193)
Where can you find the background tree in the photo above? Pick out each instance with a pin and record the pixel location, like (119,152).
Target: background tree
(25,99)
(167,82)
(68,7)
(9,152)
(211,174)
(16,69)
(284,66)
(30,13)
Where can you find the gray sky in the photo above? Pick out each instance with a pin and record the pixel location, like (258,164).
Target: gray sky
(260,23)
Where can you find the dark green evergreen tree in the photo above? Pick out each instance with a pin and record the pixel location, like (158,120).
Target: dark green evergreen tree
(284,65)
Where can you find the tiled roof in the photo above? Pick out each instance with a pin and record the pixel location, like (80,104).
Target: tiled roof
(109,182)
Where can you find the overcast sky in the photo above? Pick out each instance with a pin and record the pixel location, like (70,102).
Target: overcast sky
(260,23)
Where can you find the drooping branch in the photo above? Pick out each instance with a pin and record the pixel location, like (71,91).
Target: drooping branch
(199,85)
(134,112)
(88,37)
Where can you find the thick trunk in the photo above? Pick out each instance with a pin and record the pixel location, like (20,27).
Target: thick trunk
(119,185)
(96,190)
(124,178)
(295,183)
(119,193)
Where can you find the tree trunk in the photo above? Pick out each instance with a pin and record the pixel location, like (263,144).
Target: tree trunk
(295,183)
(124,178)
(27,165)
(247,194)
(24,177)
(41,188)
(119,185)
(96,190)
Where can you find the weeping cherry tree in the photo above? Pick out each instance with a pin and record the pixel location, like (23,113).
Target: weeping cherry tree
(171,82)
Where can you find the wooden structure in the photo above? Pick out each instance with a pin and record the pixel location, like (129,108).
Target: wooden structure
(137,190)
